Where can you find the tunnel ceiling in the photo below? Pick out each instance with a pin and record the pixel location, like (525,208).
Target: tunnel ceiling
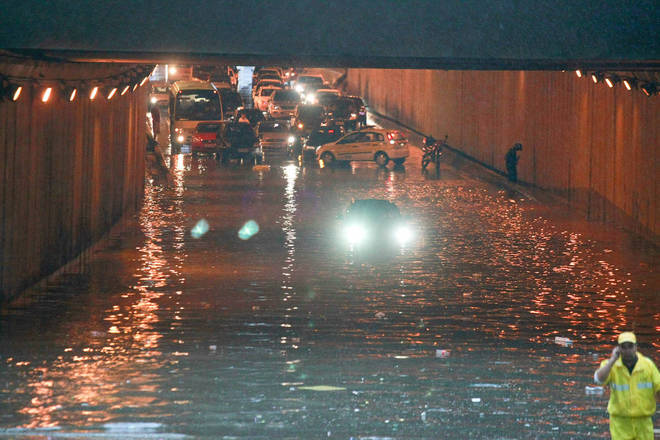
(496,34)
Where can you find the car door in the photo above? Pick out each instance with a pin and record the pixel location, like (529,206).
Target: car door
(346,148)
(366,147)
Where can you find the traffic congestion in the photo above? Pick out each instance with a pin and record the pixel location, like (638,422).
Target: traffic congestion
(290,110)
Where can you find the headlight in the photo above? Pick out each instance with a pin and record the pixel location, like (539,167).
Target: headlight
(291,140)
(355,233)
(403,234)
(299,88)
(153,100)
(180,139)
(276,107)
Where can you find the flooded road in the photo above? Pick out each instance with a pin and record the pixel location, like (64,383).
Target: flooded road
(182,329)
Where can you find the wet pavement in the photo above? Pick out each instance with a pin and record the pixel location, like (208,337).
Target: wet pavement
(180,328)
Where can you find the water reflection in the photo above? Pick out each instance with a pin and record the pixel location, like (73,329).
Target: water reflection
(282,336)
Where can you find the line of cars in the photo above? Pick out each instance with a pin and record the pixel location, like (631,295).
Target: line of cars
(297,111)
(323,123)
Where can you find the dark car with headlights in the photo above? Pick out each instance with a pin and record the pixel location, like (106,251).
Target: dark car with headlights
(374,223)
(307,145)
(307,118)
(348,111)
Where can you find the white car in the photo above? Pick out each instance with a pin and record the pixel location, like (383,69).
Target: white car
(283,104)
(263,96)
(377,144)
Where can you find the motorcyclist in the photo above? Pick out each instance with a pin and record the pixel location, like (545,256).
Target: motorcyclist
(429,142)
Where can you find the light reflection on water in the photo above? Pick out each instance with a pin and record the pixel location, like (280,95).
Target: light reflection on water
(214,336)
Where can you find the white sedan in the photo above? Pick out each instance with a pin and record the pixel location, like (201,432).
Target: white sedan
(377,144)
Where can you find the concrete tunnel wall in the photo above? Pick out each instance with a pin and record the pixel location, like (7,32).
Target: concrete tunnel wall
(69,172)
(594,146)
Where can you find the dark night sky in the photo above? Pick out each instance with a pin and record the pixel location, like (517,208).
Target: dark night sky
(468,29)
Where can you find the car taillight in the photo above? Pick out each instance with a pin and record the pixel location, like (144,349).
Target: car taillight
(300,125)
(196,139)
(331,131)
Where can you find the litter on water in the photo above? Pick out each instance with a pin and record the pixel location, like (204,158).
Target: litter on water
(322,388)
(261,168)
(476,399)
(597,391)
(564,342)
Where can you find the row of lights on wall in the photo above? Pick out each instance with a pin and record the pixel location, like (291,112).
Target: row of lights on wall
(12,89)
(647,88)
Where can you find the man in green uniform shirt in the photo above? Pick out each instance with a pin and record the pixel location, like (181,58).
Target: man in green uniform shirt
(634,383)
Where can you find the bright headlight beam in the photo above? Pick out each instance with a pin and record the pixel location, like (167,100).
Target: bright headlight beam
(355,233)
(403,234)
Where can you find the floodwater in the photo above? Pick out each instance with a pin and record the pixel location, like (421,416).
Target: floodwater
(181,329)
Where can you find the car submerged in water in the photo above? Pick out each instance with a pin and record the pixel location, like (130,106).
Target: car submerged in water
(374,223)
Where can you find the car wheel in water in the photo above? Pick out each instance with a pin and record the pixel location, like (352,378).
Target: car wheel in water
(381,159)
(328,158)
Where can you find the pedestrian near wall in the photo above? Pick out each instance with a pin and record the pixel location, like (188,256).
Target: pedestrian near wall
(155,117)
(634,383)
(511,159)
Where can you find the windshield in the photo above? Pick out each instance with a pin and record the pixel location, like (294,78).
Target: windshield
(198,105)
(286,95)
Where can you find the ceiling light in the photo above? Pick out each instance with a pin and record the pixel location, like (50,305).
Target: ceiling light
(648,89)
(578,73)
(45,96)
(110,92)
(70,93)
(93,92)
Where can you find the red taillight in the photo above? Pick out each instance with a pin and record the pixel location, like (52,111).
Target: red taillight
(196,139)
(389,136)
(331,131)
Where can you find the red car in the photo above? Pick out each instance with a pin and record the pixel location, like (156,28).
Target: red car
(204,139)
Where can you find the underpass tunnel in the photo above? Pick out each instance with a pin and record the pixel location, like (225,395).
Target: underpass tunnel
(73,140)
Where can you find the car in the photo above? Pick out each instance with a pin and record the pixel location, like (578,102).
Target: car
(283,104)
(262,97)
(307,118)
(231,100)
(377,144)
(273,134)
(239,141)
(323,135)
(204,138)
(322,96)
(306,82)
(373,223)
(347,110)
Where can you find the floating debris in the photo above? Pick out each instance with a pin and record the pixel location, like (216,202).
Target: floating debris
(322,388)
(442,353)
(595,390)
(261,168)
(564,342)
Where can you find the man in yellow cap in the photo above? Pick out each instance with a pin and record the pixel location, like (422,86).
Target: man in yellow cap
(634,383)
